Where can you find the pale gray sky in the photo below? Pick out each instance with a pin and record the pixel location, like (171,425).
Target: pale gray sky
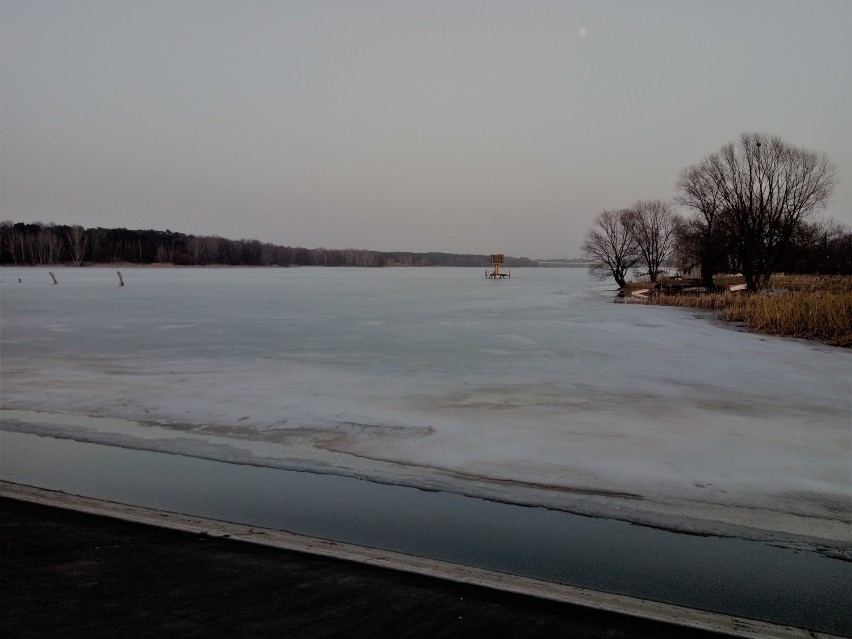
(460,126)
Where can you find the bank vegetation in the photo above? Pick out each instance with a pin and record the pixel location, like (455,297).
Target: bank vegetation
(806,306)
(751,208)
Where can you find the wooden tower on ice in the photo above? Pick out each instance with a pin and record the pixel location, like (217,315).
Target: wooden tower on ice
(496,261)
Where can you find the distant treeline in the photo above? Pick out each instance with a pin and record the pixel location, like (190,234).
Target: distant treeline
(42,244)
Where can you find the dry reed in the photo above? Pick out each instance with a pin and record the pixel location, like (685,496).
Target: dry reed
(811,307)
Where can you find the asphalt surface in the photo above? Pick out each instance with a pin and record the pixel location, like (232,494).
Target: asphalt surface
(64,574)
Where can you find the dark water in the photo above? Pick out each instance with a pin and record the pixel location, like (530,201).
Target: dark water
(738,577)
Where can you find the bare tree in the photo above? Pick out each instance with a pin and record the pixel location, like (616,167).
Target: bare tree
(77,243)
(655,226)
(702,239)
(610,246)
(10,239)
(267,254)
(196,249)
(49,244)
(765,189)
(821,245)
(96,241)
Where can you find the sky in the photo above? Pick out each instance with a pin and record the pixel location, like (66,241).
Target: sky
(466,127)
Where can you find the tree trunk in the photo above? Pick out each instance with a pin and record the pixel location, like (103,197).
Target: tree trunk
(751,282)
(706,273)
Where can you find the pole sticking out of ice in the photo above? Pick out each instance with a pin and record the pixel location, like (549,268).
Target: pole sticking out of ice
(120,279)
(53,276)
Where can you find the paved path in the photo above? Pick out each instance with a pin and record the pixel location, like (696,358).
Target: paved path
(66,573)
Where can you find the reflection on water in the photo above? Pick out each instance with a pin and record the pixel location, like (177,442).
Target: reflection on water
(743,578)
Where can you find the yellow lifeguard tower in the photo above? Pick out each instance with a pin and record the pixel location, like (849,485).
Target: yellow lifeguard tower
(496,261)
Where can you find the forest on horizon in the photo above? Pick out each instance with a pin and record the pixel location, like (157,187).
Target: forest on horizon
(38,244)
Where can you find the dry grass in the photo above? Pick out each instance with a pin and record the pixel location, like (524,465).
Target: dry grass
(819,315)
(812,307)
(708,301)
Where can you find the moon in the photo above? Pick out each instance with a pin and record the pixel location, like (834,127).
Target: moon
(584,32)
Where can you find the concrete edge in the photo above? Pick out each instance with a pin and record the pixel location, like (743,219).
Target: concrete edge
(608,602)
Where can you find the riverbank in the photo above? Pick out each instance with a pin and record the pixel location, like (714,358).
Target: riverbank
(811,307)
(70,571)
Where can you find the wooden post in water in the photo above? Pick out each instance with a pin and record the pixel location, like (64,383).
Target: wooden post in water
(120,279)
(53,276)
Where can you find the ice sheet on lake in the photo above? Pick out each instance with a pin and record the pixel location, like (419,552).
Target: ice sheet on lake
(533,390)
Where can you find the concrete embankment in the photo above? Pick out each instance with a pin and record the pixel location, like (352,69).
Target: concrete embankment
(97,568)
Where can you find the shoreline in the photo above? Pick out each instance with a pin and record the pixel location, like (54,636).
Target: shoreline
(587,598)
(784,529)
(810,307)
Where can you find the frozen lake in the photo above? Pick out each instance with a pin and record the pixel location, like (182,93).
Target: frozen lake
(534,390)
